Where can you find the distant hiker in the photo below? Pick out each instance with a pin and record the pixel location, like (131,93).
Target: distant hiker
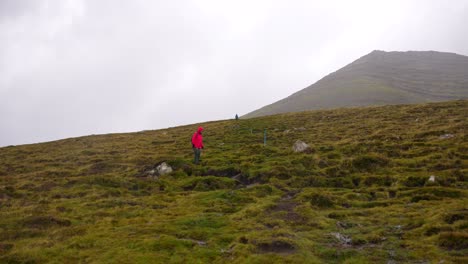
(197,144)
(237,117)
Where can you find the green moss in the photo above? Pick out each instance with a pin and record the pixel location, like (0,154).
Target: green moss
(320,200)
(207,183)
(369,162)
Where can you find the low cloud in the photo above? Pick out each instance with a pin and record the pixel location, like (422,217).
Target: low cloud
(71,68)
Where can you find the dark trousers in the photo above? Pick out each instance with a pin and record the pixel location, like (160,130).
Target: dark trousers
(196,152)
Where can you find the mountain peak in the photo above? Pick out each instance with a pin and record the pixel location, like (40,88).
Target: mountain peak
(382,77)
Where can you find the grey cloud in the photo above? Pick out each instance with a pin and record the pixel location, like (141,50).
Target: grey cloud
(13,8)
(71,68)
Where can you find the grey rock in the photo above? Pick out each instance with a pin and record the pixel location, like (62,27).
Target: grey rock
(163,168)
(447,136)
(198,242)
(251,185)
(300,146)
(345,240)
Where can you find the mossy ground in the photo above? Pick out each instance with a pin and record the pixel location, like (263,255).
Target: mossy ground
(365,179)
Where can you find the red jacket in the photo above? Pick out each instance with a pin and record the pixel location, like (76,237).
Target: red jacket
(197,138)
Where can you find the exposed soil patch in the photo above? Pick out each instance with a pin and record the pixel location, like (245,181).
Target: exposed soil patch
(100,167)
(453,240)
(287,213)
(226,172)
(244,180)
(278,246)
(285,209)
(456,216)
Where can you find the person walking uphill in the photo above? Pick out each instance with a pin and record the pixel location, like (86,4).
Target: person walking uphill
(197,144)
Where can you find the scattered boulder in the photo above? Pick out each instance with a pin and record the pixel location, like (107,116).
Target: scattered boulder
(447,136)
(300,146)
(155,171)
(344,240)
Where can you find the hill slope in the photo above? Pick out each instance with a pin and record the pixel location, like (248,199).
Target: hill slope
(361,194)
(381,78)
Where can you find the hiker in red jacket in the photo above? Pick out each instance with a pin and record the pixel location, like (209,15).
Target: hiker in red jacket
(197,144)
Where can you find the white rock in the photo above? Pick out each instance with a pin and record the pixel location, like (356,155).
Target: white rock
(446,136)
(431,178)
(342,238)
(300,146)
(163,168)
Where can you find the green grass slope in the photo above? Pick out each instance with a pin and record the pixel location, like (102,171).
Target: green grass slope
(382,78)
(360,195)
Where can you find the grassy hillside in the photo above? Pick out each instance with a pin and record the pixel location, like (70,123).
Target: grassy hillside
(382,78)
(360,195)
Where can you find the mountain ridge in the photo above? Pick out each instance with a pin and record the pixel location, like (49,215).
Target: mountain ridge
(380,78)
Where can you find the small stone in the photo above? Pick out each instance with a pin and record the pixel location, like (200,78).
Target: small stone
(201,243)
(446,136)
(431,178)
(345,240)
(237,177)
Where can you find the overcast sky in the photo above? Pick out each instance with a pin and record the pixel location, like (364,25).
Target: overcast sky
(80,67)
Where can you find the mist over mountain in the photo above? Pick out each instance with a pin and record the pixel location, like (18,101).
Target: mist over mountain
(381,78)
